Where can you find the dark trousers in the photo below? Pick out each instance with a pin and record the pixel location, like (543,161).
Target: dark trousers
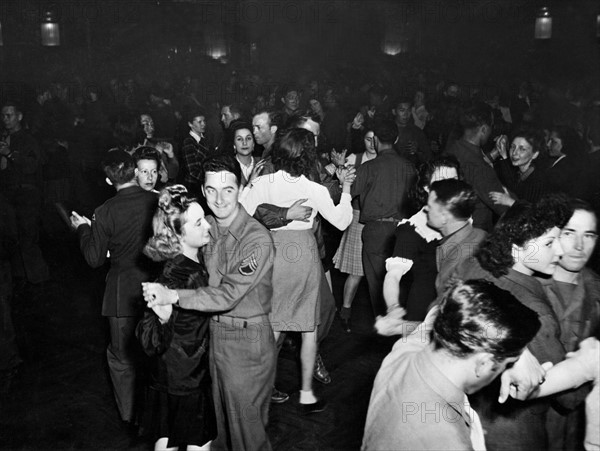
(9,354)
(28,262)
(379,238)
(122,354)
(242,367)
(326,310)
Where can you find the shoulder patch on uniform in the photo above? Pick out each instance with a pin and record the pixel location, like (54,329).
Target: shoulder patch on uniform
(248,265)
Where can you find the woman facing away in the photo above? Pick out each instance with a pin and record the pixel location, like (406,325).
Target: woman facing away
(297,270)
(179,411)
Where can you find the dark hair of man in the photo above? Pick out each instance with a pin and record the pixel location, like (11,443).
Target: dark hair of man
(456,196)
(533,136)
(193,114)
(274,117)
(222,163)
(580,204)
(403,100)
(386,131)
(168,222)
(476,115)
(15,105)
(128,131)
(294,152)
(146,153)
(234,109)
(119,167)
(417,193)
(477,316)
(520,223)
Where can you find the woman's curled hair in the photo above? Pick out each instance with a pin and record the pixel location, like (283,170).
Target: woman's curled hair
(167,224)
(294,152)
(522,222)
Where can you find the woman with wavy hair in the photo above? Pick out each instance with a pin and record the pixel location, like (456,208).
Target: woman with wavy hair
(524,244)
(297,271)
(179,411)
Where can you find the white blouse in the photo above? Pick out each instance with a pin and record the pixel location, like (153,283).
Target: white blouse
(283,190)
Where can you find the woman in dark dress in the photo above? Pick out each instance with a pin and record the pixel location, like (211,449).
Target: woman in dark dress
(520,174)
(412,270)
(179,411)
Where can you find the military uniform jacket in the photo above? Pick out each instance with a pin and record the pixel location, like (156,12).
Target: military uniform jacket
(240,269)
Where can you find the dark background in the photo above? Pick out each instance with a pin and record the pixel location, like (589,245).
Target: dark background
(471,41)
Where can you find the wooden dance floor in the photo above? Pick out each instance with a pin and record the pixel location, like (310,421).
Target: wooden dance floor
(62,399)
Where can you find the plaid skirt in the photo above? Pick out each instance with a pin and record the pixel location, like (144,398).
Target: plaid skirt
(348,257)
(297,277)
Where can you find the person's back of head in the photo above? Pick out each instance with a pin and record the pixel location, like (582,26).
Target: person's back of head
(477,316)
(386,132)
(128,131)
(475,115)
(294,151)
(457,196)
(119,167)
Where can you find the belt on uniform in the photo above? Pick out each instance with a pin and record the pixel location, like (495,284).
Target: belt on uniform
(388,220)
(240,322)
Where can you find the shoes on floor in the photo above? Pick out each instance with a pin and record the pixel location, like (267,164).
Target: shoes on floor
(279,397)
(345,314)
(315,407)
(320,373)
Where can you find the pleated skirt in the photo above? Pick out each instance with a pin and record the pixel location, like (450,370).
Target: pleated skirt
(348,257)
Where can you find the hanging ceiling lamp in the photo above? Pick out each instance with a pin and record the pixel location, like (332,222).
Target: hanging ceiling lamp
(543,24)
(50,30)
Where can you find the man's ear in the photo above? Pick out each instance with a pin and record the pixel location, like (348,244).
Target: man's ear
(202,189)
(136,171)
(108,182)
(484,363)
(273,129)
(535,155)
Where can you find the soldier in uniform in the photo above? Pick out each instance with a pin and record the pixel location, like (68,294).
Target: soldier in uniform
(239,260)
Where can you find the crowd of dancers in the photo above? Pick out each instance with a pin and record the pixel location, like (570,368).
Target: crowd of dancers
(472,220)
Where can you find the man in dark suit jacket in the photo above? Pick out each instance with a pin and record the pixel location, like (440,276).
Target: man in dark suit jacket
(120,229)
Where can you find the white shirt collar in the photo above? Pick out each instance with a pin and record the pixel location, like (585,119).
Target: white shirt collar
(196,136)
